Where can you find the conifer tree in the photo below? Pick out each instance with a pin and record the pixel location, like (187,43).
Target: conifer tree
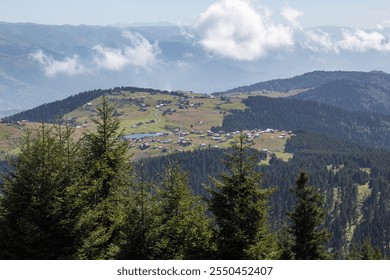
(3,253)
(141,220)
(184,230)
(307,220)
(240,207)
(102,194)
(36,218)
(365,252)
(285,242)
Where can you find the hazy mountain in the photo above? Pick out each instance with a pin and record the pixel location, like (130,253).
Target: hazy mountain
(358,91)
(42,63)
(314,79)
(371,95)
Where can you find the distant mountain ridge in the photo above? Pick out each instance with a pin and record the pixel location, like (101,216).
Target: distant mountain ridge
(364,128)
(42,63)
(52,111)
(312,80)
(357,91)
(372,96)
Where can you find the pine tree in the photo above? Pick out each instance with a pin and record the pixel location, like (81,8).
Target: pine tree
(3,249)
(240,207)
(285,243)
(307,220)
(36,218)
(102,194)
(184,230)
(141,220)
(365,252)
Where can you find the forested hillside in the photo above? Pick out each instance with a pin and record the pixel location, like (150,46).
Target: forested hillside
(353,178)
(53,111)
(289,114)
(336,147)
(365,96)
(355,91)
(316,79)
(86,200)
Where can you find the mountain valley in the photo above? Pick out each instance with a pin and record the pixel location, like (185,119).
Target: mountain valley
(344,149)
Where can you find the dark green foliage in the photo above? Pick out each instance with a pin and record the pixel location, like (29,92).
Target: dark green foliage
(371,96)
(141,221)
(334,165)
(166,221)
(3,236)
(365,252)
(289,114)
(50,112)
(360,91)
(307,221)
(184,230)
(112,211)
(37,221)
(201,163)
(240,208)
(305,81)
(285,243)
(101,194)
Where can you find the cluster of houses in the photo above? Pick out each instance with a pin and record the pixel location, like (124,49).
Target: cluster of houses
(250,135)
(182,103)
(185,139)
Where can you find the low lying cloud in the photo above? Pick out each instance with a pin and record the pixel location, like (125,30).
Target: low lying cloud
(111,59)
(363,41)
(383,25)
(356,40)
(318,41)
(239,30)
(69,66)
(141,54)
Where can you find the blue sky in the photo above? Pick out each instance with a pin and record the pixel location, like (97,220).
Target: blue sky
(357,13)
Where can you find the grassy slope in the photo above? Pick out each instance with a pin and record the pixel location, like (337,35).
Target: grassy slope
(10,137)
(199,120)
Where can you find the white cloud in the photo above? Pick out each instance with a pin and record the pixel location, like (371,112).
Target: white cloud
(112,59)
(351,40)
(141,54)
(292,15)
(318,41)
(363,41)
(69,66)
(383,25)
(238,30)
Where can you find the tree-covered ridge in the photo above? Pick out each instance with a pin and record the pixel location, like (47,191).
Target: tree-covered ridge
(316,79)
(366,96)
(51,112)
(355,91)
(290,114)
(350,176)
(84,200)
(81,200)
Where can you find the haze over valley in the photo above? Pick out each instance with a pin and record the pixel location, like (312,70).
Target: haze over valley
(43,63)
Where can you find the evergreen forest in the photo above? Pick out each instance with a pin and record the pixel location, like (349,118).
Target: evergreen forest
(86,199)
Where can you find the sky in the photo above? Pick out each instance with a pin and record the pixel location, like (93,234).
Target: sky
(349,13)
